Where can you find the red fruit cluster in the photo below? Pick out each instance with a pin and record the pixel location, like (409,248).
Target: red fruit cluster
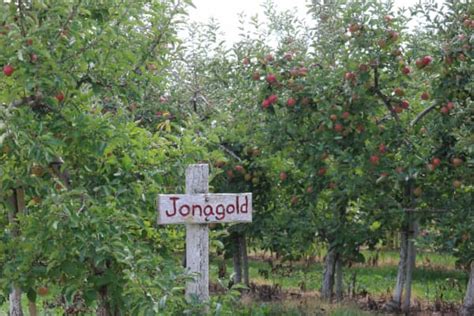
(424,61)
(269,101)
(447,108)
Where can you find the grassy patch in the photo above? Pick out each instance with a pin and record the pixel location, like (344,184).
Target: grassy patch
(435,276)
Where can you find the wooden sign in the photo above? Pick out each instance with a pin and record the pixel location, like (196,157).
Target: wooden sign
(196,209)
(204,208)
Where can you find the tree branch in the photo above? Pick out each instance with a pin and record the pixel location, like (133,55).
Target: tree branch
(230,152)
(422,114)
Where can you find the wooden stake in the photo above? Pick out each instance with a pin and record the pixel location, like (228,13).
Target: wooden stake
(197,238)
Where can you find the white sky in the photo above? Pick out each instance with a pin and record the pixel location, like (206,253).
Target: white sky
(226,11)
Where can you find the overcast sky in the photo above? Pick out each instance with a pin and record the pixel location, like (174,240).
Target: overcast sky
(226,11)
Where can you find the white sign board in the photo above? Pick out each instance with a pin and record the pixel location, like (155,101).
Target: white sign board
(204,208)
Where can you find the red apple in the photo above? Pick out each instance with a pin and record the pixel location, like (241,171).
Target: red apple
(265,103)
(426,60)
(60,97)
(425,96)
(29,42)
(419,63)
(430,167)
(283,176)
(294,200)
(239,168)
(406,70)
(405,104)
(393,35)
(256,76)
(382,148)
(354,27)
(273,98)
(363,67)
(338,127)
(444,110)
(271,78)
(456,162)
(269,58)
(397,109)
(436,161)
(322,171)
(417,191)
(374,160)
(34,58)
(309,190)
(291,102)
(43,291)
(349,75)
(8,70)
(399,92)
(333,117)
(345,115)
(450,105)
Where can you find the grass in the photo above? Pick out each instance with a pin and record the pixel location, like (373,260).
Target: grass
(435,276)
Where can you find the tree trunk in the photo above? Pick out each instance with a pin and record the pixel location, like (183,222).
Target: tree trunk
(245,259)
(395,303)
(328,275)
(339,279)
(410,264)
(237,260)
(468,306)
(32,308)
(15,302)
(103,308)
(17,201)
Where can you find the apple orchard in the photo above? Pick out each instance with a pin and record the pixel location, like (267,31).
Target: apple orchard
(353,133)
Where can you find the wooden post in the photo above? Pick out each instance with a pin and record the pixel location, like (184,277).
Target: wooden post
(198,208)
(197,238)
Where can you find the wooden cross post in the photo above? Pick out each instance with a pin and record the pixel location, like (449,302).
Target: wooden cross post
(197,208)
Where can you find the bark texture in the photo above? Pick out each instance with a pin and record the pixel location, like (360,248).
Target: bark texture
(410,265)
(339,280)
(17,202)
(32,308)
(104,307)
(328,274)
(468,305)
(15,302)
